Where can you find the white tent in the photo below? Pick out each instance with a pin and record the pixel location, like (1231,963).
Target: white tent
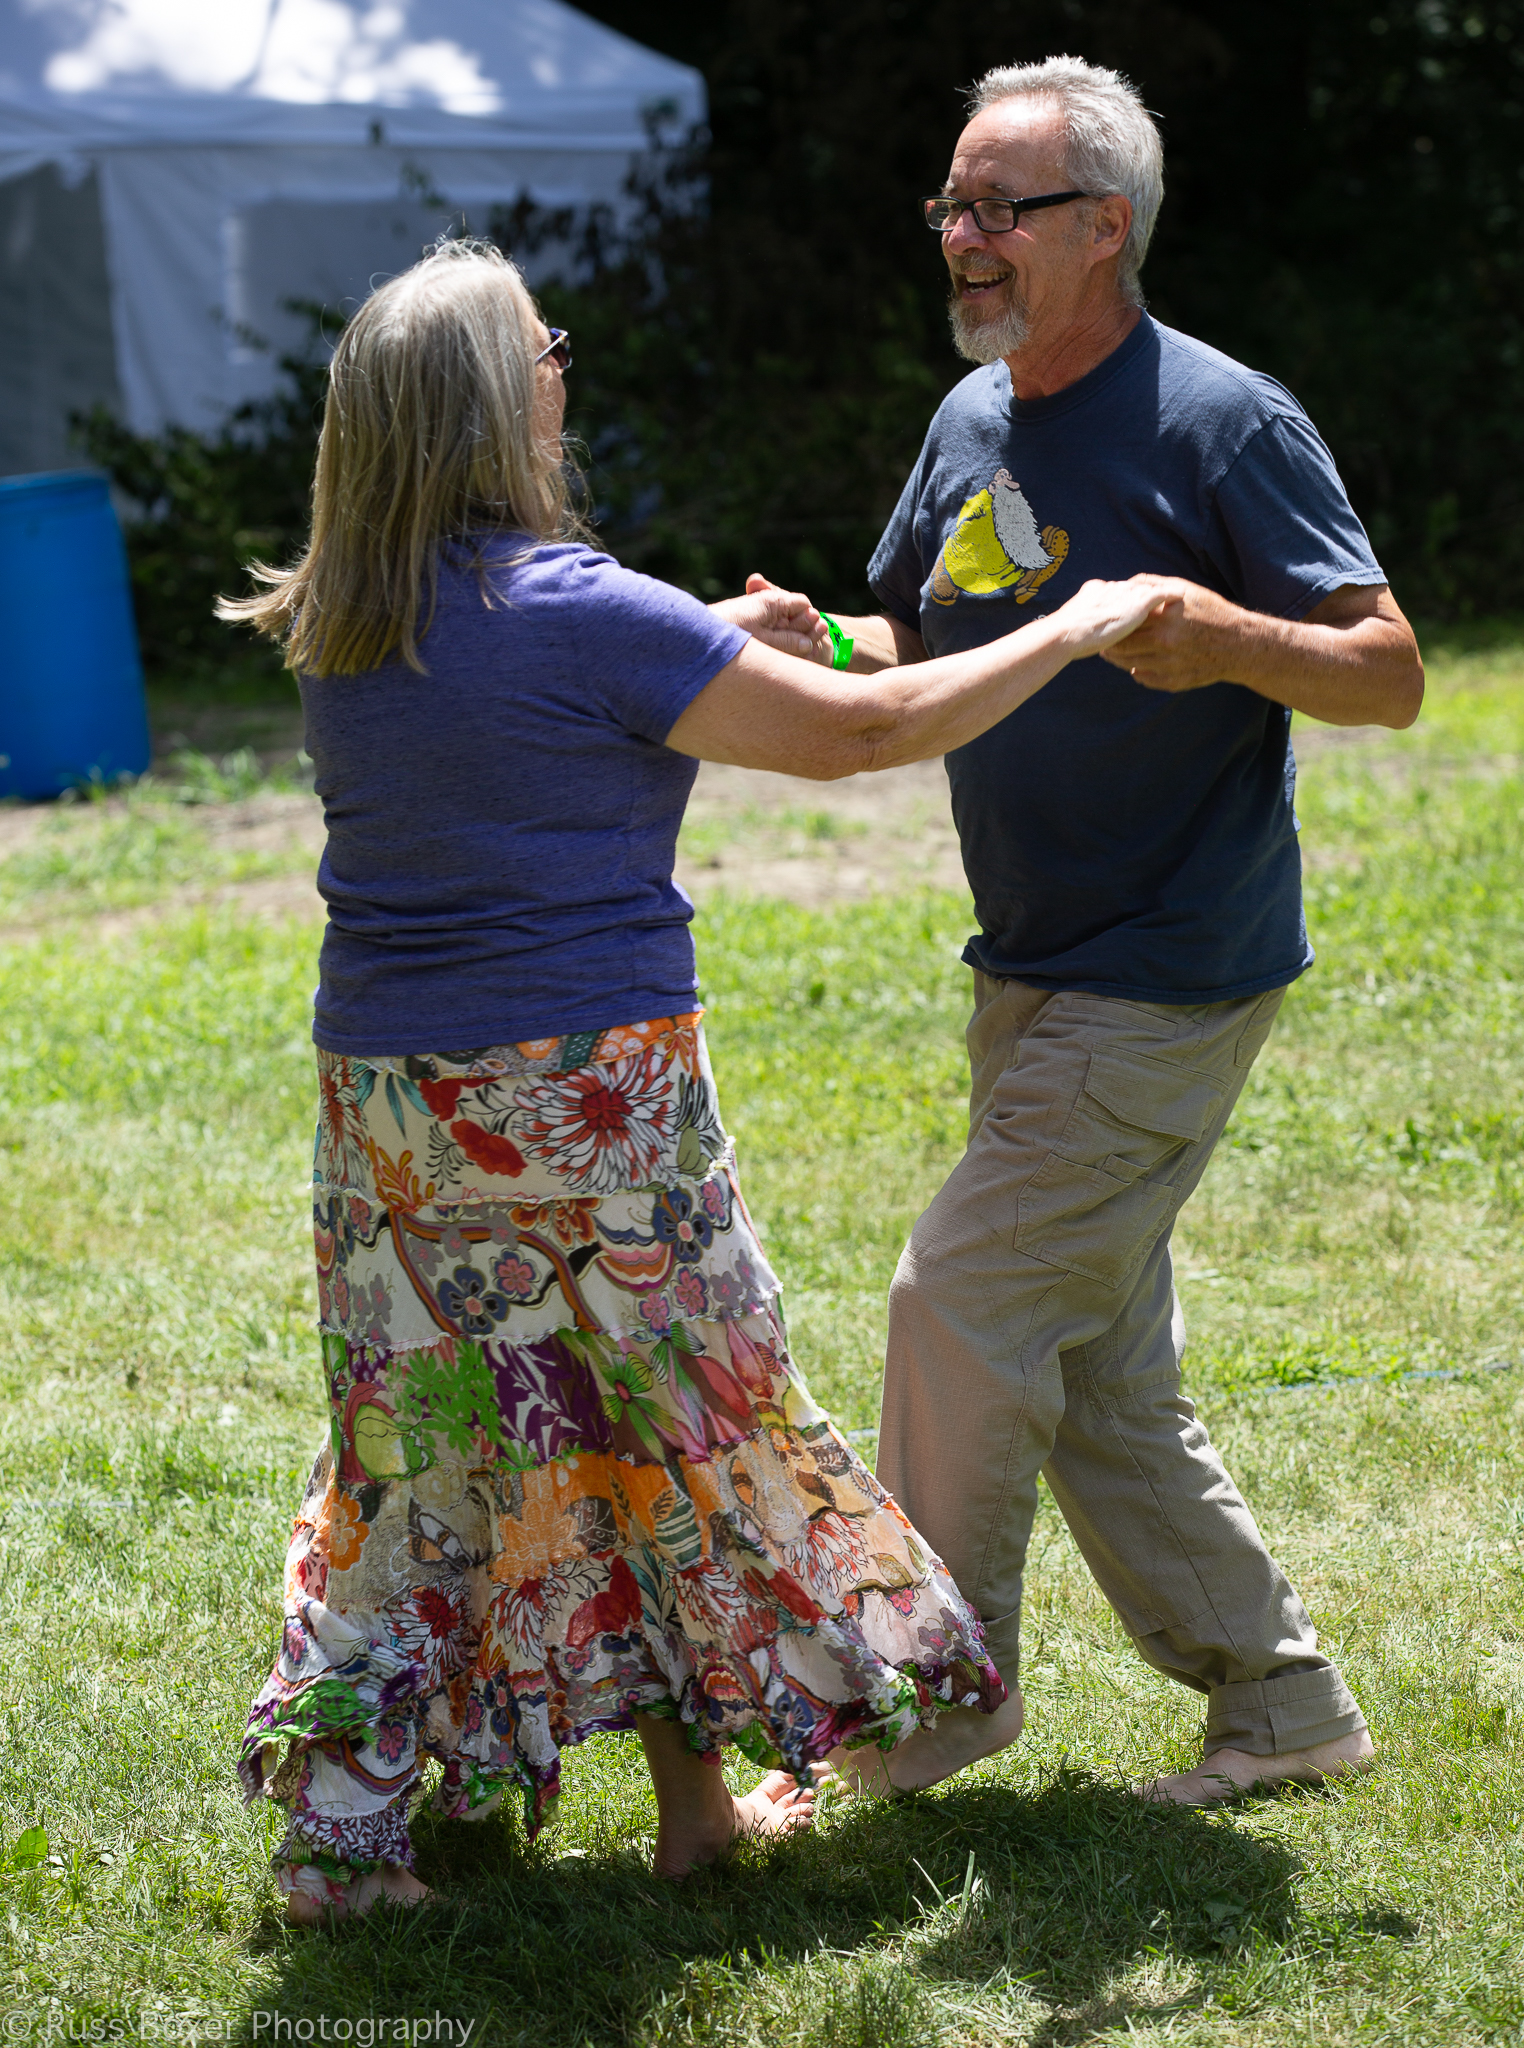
(172,172)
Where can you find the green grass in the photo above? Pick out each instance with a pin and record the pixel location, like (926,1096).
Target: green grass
(112,852)
(778,833)
(159,1400)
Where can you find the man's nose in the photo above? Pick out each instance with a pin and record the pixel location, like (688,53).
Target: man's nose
(963,234)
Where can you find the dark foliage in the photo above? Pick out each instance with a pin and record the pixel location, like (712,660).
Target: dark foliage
(208,504)
(753,380)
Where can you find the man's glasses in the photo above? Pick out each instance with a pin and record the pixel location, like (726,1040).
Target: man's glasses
(559,353)
(990,216)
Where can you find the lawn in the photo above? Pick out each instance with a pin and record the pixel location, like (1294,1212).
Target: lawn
(1351,1272)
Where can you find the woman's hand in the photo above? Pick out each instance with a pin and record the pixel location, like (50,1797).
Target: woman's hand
(1100,614)
(784,619)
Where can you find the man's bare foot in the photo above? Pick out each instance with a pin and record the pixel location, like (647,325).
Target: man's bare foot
(1226,1773)
(391,1884)
(961,1736)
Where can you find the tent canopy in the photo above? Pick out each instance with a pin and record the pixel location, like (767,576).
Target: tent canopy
(172,172)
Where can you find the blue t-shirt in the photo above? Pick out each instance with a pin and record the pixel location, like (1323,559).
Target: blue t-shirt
(501,831)
(1117,839)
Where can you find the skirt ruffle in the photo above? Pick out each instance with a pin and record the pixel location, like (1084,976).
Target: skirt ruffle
(573,1474)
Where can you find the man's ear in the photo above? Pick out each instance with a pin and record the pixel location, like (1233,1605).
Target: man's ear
(1110,225)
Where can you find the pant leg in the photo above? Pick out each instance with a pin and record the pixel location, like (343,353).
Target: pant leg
(1092,1120)
(1173,1545)
(970,1406)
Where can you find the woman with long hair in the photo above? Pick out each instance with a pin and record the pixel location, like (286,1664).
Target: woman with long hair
(573,1480)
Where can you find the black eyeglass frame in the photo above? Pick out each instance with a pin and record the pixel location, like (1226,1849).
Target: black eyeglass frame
(559,352)
(1018,208)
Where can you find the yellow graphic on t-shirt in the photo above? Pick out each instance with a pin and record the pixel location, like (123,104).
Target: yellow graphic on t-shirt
(995,545)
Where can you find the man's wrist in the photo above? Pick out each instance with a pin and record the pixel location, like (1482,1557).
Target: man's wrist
(1247,648)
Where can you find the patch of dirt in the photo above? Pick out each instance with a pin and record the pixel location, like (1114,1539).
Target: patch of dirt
(758,834)
(754,833)
(273,822)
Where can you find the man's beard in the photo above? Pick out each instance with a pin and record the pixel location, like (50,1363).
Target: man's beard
(985,336)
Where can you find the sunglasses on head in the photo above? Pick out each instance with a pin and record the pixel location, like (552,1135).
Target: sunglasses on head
(559,353)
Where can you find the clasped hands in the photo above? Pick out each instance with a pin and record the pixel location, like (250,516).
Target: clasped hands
(1187,641)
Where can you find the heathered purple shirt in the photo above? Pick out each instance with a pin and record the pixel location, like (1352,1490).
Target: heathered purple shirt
(501,831)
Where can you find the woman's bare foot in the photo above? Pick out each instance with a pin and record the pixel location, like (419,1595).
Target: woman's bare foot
(961,1736)
(1226,1773)
(392,1884)
(698,1817)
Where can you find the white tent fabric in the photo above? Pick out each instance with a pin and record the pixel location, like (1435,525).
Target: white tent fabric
(247,152)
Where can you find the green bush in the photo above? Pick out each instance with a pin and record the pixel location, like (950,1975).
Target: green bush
(206,505)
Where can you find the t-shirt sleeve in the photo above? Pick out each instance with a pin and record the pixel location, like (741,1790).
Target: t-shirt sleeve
(896,571)
(1283,535)
(646,649)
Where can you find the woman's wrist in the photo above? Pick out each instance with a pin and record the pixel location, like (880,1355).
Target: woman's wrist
(842,643)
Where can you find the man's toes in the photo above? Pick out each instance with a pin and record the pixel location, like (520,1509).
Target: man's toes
(1189,1788)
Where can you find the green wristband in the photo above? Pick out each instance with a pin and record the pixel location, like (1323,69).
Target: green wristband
(842,643)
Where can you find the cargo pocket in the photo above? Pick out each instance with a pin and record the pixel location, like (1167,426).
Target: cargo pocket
(1099,1203)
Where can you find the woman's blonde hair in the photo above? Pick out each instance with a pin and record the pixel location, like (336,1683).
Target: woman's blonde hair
(428,437)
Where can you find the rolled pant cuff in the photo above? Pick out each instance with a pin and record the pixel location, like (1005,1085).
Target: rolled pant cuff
(1273,1716)
(1002,1644)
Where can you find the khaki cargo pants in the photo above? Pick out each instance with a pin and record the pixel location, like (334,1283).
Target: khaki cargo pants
(1034,1328)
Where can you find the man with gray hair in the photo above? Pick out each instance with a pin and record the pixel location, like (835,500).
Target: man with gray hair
(1132,854)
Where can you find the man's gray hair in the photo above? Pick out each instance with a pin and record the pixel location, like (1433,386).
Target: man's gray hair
(1111,143)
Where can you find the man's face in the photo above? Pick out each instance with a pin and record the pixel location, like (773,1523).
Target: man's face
(1006,287)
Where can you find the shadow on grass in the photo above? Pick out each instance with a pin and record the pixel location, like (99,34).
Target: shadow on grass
(1070,1880)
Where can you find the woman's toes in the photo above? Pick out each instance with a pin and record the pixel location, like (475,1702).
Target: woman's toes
(394,1885)
(303,1910)
(777,1785)
(784,1787)
(391,1885)
(756,1815)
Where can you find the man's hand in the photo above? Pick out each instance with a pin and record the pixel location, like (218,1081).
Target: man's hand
(1185,644)
(784,619)
(1351,661)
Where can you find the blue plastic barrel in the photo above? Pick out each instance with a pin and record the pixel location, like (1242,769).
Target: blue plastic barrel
(71,683)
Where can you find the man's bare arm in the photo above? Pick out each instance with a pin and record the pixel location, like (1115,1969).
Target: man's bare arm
(1351,661)
(879,641)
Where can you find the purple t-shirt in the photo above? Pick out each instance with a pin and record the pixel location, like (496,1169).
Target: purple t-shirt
(501,831)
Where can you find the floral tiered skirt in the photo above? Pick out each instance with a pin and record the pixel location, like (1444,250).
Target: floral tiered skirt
(572,1473)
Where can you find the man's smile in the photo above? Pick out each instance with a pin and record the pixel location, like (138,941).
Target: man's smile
(978,284)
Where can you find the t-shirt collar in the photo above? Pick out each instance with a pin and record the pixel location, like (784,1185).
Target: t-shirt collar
(1024,409)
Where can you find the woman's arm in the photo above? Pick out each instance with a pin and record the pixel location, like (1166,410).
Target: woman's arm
(768,710)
